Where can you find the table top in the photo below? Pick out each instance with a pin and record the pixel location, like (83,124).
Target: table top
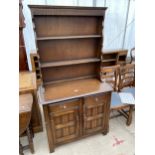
(25,103)
(27,82)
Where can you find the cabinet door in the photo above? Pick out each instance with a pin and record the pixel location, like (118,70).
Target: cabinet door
(65,121)
(93,110)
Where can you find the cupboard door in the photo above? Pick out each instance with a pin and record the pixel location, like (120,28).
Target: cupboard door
(65,121)
(93,110)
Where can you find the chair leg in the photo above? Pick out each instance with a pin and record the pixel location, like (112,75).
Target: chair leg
(20,149)
(129,120)
(30,140)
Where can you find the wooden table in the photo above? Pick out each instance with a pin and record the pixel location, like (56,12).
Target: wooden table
(25,108)
(27,84)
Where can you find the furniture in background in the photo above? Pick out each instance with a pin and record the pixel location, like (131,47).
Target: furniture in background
(36,67)
(23,65)
(75,102)
(127,78)
(127,83)
(111,75)
(27,84)
(27,79)
(114,57)
(25,108)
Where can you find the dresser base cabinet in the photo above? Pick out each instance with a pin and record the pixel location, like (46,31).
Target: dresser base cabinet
(74,119)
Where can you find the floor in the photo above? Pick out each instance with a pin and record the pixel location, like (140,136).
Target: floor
(119,141)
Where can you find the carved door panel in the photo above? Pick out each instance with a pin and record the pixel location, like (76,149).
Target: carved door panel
(65,121)
(93,110)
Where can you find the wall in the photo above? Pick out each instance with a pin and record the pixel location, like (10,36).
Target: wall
(119,25)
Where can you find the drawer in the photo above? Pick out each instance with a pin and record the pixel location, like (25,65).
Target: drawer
(66,105)
(91,101)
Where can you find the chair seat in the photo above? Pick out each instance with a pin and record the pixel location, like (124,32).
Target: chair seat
(115,100)
(129,90)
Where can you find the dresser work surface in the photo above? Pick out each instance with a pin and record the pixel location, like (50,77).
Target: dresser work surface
(73,89)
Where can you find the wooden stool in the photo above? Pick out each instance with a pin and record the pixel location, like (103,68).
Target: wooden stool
(25,107)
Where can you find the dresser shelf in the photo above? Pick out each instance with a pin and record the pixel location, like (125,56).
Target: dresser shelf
(108,60)
(68,37)
(69,62)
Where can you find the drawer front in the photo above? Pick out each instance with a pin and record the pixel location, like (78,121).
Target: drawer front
(64,118)
(63,106)
(94,109)
(95,99)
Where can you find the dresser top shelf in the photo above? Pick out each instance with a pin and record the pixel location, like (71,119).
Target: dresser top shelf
(72,89)
(66,10)
(66,7)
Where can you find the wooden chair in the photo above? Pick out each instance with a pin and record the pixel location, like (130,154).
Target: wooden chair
(127,79)
(111,75)
(25,107)
(127,85)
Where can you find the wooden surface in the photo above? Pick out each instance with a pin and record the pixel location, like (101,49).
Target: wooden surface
(36,67)
(69,37)
(25,112)
(25,102)
(69,72)
(114,57)
(71,62)
(25,108)
(67,10)
(60,50)
(74,119)
(73,89)
(27,82)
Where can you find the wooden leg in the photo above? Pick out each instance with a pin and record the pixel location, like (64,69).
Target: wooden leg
(30,140)
(129,120)
(20,149)
(31,129)
(36,119)
(105,132)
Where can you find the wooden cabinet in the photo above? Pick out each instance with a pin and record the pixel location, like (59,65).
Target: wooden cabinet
(65,120)
(74,119)
(75,102)
(93,110)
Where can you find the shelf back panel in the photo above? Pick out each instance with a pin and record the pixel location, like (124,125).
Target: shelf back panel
(70,72)
(110,63)
(47,26)
(70,49)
